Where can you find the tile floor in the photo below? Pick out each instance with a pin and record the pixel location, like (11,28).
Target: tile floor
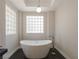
(20,55)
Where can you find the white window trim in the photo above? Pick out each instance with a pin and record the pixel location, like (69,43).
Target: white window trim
(40,24)
(10,21)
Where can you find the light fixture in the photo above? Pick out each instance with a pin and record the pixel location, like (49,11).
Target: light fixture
(38,9)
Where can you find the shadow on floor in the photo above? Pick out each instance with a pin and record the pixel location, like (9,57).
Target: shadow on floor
(20,55)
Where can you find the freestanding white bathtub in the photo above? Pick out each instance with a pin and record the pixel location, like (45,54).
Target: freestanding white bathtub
(36,49)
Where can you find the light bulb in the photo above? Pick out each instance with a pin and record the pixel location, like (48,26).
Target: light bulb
(38,9)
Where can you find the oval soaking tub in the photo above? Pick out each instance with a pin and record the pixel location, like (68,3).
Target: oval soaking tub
(36,48)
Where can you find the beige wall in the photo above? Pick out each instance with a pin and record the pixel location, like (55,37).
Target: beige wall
(20,25)
(2,22)
(48,25)
(66,28)
(51,23)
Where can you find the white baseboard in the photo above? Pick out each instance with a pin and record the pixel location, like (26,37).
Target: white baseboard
(7,56)
(65,55)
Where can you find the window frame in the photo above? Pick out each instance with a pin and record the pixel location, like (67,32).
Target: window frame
(41,32)
(10,21)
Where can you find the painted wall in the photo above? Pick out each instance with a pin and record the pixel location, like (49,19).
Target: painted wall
(20,25)
(2,23)
(11,40)
(51,23)
(48,25)
(66,28)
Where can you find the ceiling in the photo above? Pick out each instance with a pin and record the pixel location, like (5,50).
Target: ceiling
(31,5)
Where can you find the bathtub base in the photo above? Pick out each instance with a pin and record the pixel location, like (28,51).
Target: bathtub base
(36,49)
(37,52)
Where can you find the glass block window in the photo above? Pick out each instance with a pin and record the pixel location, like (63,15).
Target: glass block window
(10,21)
(34,24)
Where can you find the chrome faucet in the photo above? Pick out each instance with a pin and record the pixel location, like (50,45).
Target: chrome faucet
(51,37)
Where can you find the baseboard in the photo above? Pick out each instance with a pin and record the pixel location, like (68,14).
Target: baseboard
(13,52)
(7,56)
(65,55)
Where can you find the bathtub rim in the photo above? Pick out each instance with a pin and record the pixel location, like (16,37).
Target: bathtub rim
(48,43)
